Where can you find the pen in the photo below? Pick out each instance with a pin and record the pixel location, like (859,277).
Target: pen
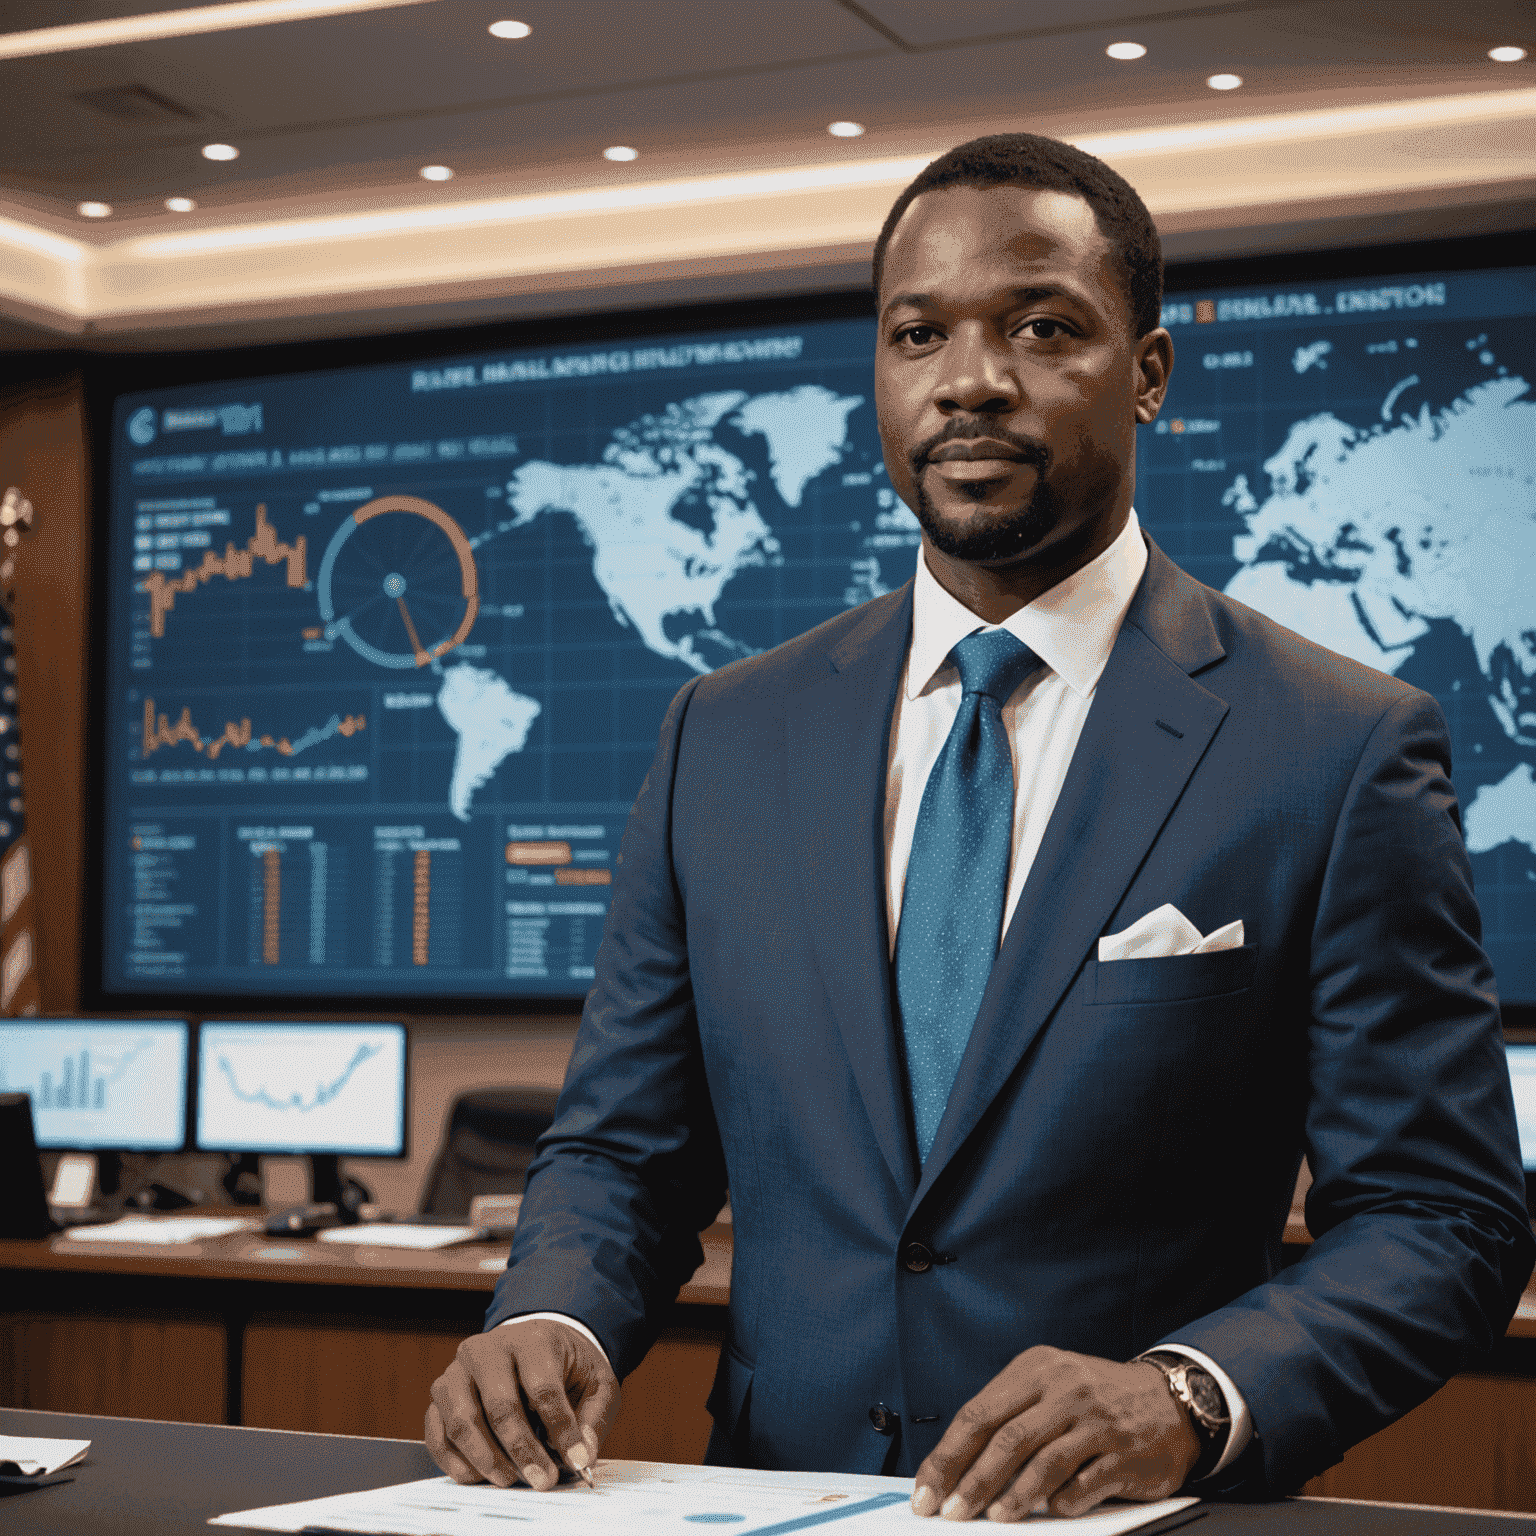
(537,1424)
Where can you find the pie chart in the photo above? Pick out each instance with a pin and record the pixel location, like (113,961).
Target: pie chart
(398,583)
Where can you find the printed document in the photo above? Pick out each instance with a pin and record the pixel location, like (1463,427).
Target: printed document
(24,1456)
(160,1231)
(651,1498)
(381,1234)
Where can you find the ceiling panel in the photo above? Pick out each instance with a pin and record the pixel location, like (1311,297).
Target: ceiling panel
(419,61)
(344,107)
(935,23)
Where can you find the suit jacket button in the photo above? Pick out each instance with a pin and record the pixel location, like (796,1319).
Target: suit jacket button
(917,1257)
(884,1419)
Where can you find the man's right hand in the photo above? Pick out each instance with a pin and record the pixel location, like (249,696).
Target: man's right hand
(478,1427)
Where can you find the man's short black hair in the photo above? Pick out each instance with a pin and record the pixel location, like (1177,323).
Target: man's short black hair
(1048,165)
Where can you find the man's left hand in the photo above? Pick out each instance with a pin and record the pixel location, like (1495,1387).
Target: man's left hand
(1062,1431)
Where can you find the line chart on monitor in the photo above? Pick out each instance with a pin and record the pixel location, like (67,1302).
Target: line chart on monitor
(297,1099)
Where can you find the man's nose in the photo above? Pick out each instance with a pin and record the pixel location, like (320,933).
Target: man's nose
(978,376)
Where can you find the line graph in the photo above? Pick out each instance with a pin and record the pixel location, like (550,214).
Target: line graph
(311,1088)
(158,732)
(324,1092)
(234,565)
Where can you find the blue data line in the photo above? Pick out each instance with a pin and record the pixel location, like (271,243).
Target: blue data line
(802,1522)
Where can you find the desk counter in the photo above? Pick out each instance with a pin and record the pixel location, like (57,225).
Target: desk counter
(157,1479)
(299,1335)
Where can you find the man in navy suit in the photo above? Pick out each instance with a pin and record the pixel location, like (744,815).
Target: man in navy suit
(1008,1199)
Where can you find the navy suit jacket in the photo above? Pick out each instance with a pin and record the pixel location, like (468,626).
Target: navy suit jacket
(1119,1149)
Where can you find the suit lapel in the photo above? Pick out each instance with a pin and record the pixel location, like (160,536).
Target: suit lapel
(838,734)
(1148,727)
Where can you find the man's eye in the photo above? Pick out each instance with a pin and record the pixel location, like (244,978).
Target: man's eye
(918,335)
(1044,330)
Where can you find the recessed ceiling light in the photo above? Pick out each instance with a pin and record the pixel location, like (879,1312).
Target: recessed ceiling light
(220,152)
(437,173)
(1126,50)
(620,152)
(95,210)
(845,130)
(180,204)
(1506,55)
(509,29)
(1224,82)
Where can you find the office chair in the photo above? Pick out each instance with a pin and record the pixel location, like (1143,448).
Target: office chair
(487,1148)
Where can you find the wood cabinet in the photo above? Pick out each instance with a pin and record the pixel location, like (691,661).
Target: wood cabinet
(132,1364)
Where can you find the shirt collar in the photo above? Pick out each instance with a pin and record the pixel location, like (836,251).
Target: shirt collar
(1071,628)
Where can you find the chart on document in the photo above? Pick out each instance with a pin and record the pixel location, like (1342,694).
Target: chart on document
(649,1498)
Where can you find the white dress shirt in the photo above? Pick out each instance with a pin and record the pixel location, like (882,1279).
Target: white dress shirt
(1072,629)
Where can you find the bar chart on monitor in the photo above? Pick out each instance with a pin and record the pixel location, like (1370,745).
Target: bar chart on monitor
(99,1084)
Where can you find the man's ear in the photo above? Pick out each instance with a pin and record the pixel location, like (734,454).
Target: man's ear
(1154,363)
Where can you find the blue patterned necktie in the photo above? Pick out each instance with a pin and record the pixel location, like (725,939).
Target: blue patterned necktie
(957,877)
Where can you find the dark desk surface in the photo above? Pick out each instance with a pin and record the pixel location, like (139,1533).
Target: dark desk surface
(150,1479)
(142,1478)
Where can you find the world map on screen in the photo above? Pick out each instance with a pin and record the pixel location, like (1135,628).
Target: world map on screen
(1365,539)
(1359,464)
(395,664)
(671,521)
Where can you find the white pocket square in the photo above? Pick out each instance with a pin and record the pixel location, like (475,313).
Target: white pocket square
(1167,932)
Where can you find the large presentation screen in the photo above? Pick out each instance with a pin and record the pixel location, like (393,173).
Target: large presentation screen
(388,647)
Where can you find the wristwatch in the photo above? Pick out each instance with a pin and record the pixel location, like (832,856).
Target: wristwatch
(1197,1392)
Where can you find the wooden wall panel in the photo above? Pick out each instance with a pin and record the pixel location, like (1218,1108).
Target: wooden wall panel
(43,451)
(661,1412)
(365,1379)
(338,1378)
(1472,1445)
(129,1366)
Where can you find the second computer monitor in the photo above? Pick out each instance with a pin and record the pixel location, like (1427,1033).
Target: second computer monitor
(100,1085)
(302,1088)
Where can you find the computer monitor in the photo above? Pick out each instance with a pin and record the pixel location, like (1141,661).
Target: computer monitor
(1522,1078)
(100,1085)
(316,1089)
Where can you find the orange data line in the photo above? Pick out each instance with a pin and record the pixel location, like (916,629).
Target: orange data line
(159,732)
(234,565)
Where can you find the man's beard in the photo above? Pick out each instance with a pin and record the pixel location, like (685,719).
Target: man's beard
(1008,533)
(1006,536)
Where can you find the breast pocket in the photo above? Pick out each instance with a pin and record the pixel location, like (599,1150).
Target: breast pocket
(1174,978)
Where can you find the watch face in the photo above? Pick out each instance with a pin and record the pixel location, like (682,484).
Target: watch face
(1206,1394)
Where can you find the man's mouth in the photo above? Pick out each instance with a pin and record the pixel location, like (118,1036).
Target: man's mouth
(976,459)
(972,450)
